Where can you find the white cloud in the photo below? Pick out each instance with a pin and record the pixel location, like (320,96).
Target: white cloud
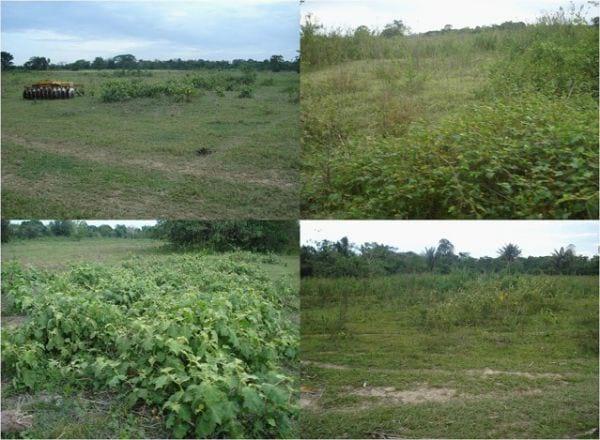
(59,46)
(223,30)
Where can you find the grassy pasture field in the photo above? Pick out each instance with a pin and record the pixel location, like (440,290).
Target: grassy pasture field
(449,356)
(85,158)
(494,123)
(58,253)
(75,384)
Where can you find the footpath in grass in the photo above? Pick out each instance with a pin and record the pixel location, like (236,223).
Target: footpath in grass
(446,356)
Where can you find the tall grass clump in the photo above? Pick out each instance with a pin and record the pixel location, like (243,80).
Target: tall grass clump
(440,302)
(493,301)
(560,59)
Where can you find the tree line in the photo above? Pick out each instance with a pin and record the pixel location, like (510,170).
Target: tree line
(275,63)
(32,229)
(344,259)
(252,235)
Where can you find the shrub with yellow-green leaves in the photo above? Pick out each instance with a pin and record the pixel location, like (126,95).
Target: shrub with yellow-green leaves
(204,340)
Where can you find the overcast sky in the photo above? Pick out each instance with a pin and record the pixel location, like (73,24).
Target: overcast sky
(112,223)
(426,15)
(479,238)
(213,30)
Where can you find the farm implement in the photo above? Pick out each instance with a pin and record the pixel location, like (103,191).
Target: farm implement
(52,90)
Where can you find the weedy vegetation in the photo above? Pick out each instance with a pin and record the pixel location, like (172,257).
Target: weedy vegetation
(492,122)
(190,344)
(454,355)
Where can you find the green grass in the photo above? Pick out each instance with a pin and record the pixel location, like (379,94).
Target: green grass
(66,411)
(57,253)
(89,159)
(496,124)
(531,372)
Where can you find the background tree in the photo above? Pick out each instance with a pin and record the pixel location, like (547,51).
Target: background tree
(61,228)
(395,29)
(5,231)
(430,256)
(509,252)
(105,231)
(276,61)
(98,63)
(445,248)
(252,235)
(80,230)
(563,259)
(79,65)
(120,231)
(37,63)
(126,61)
(342,258)
(362,32)
(7,60)
(31,229)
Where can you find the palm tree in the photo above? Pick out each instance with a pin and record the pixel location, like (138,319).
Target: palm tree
(445,248)
(509,252)
(430,256)
(563,258)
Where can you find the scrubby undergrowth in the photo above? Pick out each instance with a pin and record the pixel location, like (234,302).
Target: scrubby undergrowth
(495,124)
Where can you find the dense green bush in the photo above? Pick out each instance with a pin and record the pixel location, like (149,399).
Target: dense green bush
(202,340)
(531,156)
(223,80)
(561,60)
(116,90)
(245,92)
(251,235)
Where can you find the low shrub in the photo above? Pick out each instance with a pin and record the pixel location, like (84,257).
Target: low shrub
(267,82)
(115,90)
(491,301)
(201,339)
(530,156)
(562,61)
(246,92)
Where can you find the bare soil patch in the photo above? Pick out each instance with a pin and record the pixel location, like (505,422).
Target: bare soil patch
(12,321)
(309,397)
(326,365)
(421,394)
(15,421)
(527,375)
